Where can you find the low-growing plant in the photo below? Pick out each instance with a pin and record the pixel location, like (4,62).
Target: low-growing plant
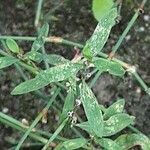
(103,125)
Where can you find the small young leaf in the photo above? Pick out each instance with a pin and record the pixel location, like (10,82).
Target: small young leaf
(12,45)
(105,65)
(68,105)
(34,56)
(128,141)
(116,69)
(39,42)
(117,123)
(115,108)
(7,61)
(108,144)
(97,41)
(54,74)
(74,143)
(101,8)
(92,110)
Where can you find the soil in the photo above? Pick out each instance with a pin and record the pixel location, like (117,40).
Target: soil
(73,20)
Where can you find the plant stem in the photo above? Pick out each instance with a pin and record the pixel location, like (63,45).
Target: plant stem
(126,31)
(38,13)
(51,39)
(37,119)
(55,134)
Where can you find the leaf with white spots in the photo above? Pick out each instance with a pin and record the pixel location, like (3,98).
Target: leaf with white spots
(115,108)
(101,8)
(7,61)
(128,141)
(54,74)
(116,123)
(92,109)
(68,105)
(106,65)
(108,144)
(74,143)
(97,41)
(39,42)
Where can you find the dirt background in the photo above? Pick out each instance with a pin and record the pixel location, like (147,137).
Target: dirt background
(73,20)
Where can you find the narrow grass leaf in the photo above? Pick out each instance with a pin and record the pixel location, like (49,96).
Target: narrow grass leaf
(68,105)
(108,144)
(115,108)
(12,45)
(97,41)
(128,141)
(117,123)
(101,8)
(37,119)
(7,61)
(59,129)
(92,110)
(54,74)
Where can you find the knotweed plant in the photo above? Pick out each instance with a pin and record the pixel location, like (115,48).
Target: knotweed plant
(102,125)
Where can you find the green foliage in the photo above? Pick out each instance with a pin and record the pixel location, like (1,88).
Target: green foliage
(7,61)
(100,122)
(92,110)
(54,74)
(72,144)
(12,45)
(127,141)
(97,41)
(101,8)
(39,42)
(106,65)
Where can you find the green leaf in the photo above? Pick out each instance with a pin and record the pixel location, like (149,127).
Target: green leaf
(39,42)
(34,56)
(117,123)
(128,141)
(85,126)
(54,74)
(97,41)
(116,69)
(74,143)
(92,109)
(12,45)
(68,105)
(101,8)
(7,61)
(54,59)
(108,144)
(115,108)
(106,65)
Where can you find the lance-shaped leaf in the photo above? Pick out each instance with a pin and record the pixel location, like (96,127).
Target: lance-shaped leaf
(72,144)
(115,108)
(117,123)
(39,42)
(92,110)
(54,74)
(101,8)
(106,65)
(108,144)
(68,105)
(7,61)
(128,141)
(97,41)
(12,45)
